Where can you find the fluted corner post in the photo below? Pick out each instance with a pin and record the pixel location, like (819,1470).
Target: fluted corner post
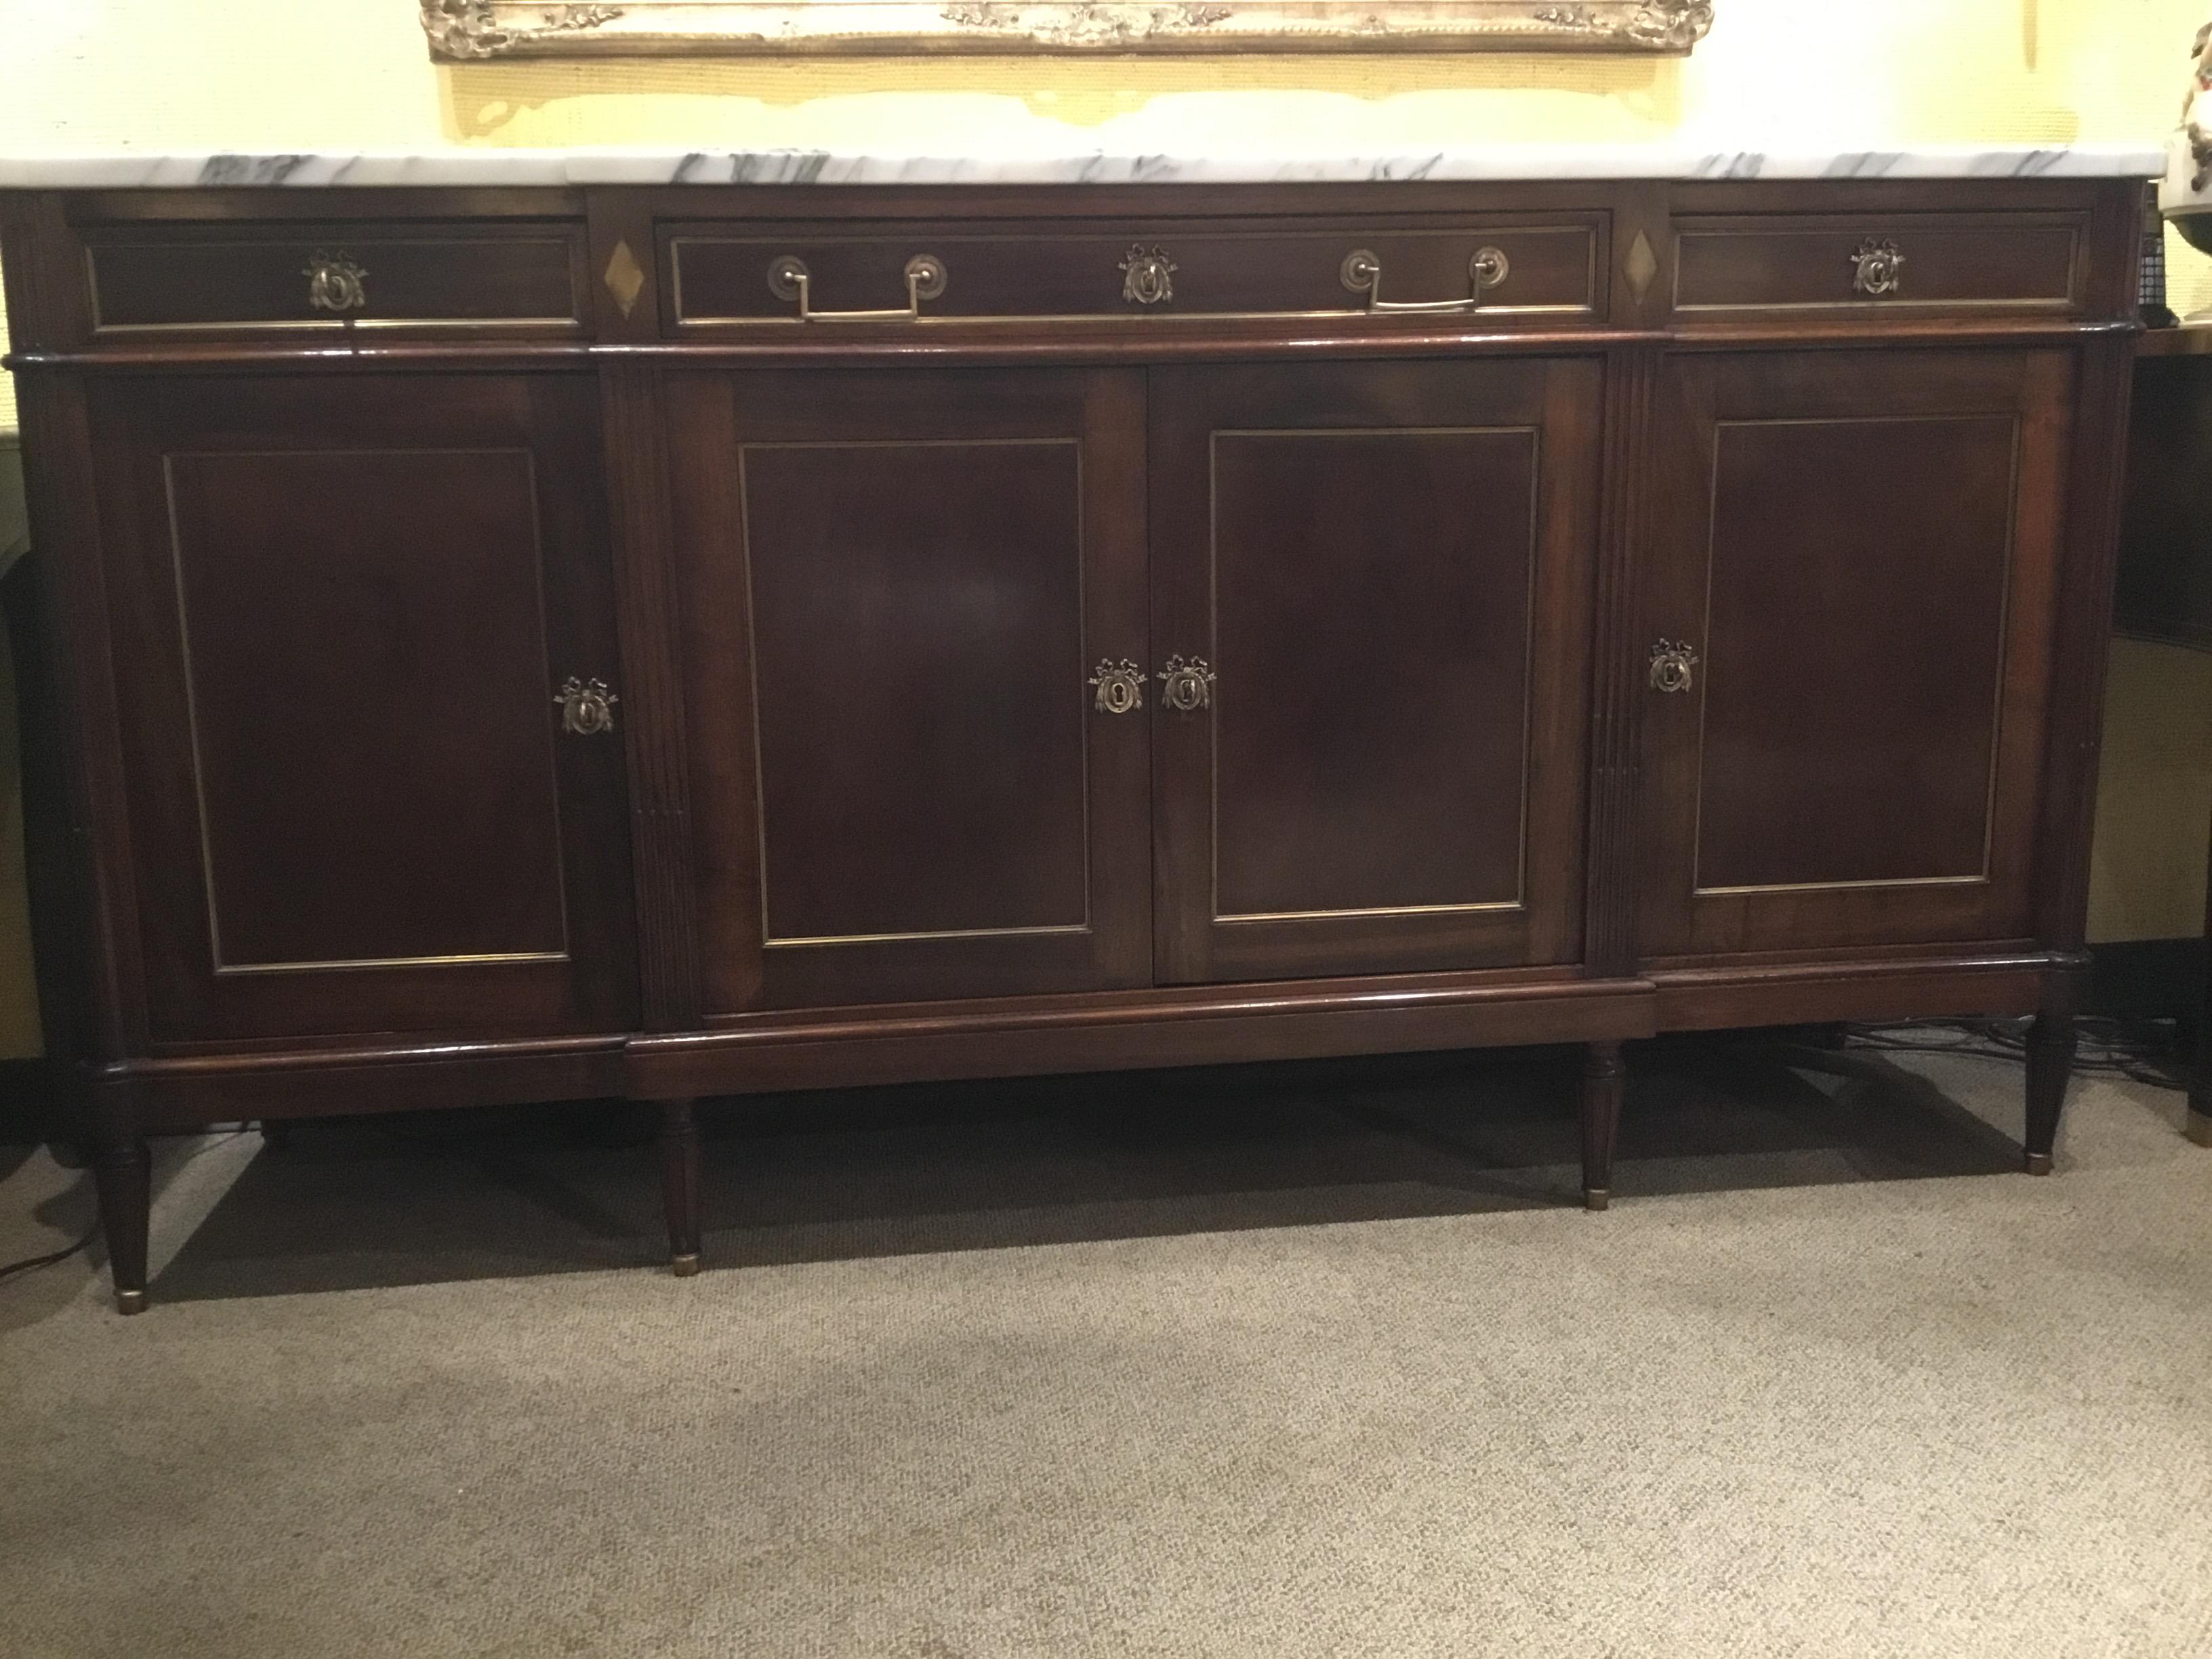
(679,1184)
(122,1173)
(1603,1077)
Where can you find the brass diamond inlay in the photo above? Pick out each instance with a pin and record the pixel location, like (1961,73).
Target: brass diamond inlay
(1643,265)
(625,278)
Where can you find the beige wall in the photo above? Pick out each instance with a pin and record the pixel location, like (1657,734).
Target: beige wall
(342,75)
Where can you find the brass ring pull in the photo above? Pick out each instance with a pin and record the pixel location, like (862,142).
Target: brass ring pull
(587,706)
(1187,685)
(788,279)
(1362,272)
(334,283)
(1121,687)
(1673,666)
(1878,269)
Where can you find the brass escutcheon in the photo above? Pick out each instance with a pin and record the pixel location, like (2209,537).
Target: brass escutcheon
(1187,685)
(1878,269)
(334,283)
(587,706)
(1673,666)
(1147,277)
(1121,687)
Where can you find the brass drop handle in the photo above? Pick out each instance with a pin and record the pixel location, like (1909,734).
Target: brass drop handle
(587,706)
(1673,666)
(1362,272)
(334,283)
(1120,685)
(1877,268)
(1187,685)
(788,279)
(1147,275)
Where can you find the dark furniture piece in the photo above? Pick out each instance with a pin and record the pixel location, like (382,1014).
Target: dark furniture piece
(528,644)
(2164,588)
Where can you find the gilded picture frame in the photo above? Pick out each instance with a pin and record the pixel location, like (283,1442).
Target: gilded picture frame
(464,30)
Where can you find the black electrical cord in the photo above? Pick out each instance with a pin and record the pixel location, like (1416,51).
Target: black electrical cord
(52,1258)
(55,1258)
(2142,1051)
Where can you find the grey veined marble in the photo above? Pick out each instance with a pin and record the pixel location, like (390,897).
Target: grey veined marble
(1016,166)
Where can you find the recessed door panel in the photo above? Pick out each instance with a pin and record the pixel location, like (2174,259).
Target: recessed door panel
(917,646)
(1856,554)
(346,610)
(900,589)
(1384,572)
(1863,638)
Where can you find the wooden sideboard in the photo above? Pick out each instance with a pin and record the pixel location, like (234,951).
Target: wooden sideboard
(669,641)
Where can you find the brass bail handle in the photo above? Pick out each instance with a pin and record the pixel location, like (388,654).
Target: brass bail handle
(1362,273)
(789,279)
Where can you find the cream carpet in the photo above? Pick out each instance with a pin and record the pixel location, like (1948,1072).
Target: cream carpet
(1266,1362)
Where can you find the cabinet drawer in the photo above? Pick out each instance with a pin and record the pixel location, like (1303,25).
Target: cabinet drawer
(252,277)
(719,278)
(2009,262)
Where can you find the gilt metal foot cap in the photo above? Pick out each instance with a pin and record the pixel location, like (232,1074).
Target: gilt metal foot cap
(684,1266)
(2039,1164)
(1597,1198)
(130,1302)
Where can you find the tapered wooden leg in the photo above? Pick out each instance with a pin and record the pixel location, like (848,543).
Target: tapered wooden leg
(2051,1043)
(679,1185)
(121,1173)
(1602,1078)
(2199,1127)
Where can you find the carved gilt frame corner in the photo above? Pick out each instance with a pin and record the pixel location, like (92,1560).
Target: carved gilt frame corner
(468,30)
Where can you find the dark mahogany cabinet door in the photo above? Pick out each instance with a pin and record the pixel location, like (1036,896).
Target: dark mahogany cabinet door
(343,609)
(905,597)
(1853,557)
(1384,573)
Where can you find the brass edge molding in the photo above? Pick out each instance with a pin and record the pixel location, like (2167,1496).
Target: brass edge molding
(465,31)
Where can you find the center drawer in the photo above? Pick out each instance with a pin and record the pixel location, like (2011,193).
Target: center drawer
(721,276)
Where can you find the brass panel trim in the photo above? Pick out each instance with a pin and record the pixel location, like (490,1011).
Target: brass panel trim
(1842,886)
(1587,306)
(1535,434)
(220,969)
(773,941)
(346,965)
(1697,889)
(1062,930)
(1487,908)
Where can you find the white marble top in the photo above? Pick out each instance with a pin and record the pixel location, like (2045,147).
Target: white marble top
(1015,166)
